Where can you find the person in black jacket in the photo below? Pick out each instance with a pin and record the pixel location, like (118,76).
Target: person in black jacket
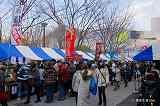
(38,76)
(126,74)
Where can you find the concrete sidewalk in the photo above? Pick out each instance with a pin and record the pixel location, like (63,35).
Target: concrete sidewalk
(113,98)
(131,100)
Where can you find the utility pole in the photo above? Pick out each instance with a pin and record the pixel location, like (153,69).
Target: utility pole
(44,33)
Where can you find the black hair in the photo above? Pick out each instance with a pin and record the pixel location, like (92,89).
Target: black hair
(53,60)
(84,75)
(78,67)
(41,66)
(101,65)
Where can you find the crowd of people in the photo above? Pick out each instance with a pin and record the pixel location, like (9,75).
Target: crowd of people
(62,79)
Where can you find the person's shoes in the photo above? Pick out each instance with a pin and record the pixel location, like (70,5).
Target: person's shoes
(47,101)
(125,86)
(27,102)
(104,104)
(19,99)
(61,99)
(37,101)
(99,103)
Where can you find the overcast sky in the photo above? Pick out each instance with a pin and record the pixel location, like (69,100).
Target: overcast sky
(144,10)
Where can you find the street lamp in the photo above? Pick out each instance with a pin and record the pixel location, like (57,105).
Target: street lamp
(44,30)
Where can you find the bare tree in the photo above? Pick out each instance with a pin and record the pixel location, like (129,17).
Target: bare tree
(58,35)
(23,9)
(82,14)
(112,26)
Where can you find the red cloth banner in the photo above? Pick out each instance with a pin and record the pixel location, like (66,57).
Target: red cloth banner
(70,42)
(16,34)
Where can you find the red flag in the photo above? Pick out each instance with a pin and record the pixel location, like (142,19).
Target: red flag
(16,35)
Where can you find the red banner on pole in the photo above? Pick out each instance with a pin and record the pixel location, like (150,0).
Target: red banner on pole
(70,42)
(16,34)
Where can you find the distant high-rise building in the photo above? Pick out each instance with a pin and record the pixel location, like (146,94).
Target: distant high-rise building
(155,25)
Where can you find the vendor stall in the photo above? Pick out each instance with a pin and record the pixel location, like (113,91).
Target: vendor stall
(8,51)
(11,54)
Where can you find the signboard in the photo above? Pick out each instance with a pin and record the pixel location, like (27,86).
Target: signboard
(99,50)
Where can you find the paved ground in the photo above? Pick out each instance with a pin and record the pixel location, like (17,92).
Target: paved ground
(114,98)
(131,100)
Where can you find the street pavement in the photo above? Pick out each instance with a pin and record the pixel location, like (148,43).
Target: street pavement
(114,98)
(131,100)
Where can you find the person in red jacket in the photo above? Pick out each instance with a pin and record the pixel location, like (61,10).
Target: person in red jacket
(64,78)
(67,78)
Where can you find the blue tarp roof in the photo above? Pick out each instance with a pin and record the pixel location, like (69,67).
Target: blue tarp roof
(3,51)
(6,51)
(59,51)
(145,55)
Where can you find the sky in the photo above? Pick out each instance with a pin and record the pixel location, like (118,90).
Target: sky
(144,10)
(5,7)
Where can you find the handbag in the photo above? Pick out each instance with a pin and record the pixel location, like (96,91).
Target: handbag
(93,86)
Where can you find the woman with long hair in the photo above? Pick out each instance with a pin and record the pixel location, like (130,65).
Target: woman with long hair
(83,89)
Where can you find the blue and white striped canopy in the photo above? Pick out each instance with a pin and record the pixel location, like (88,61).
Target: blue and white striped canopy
(105,56)
(84,55)
(90,54)
(7,51)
